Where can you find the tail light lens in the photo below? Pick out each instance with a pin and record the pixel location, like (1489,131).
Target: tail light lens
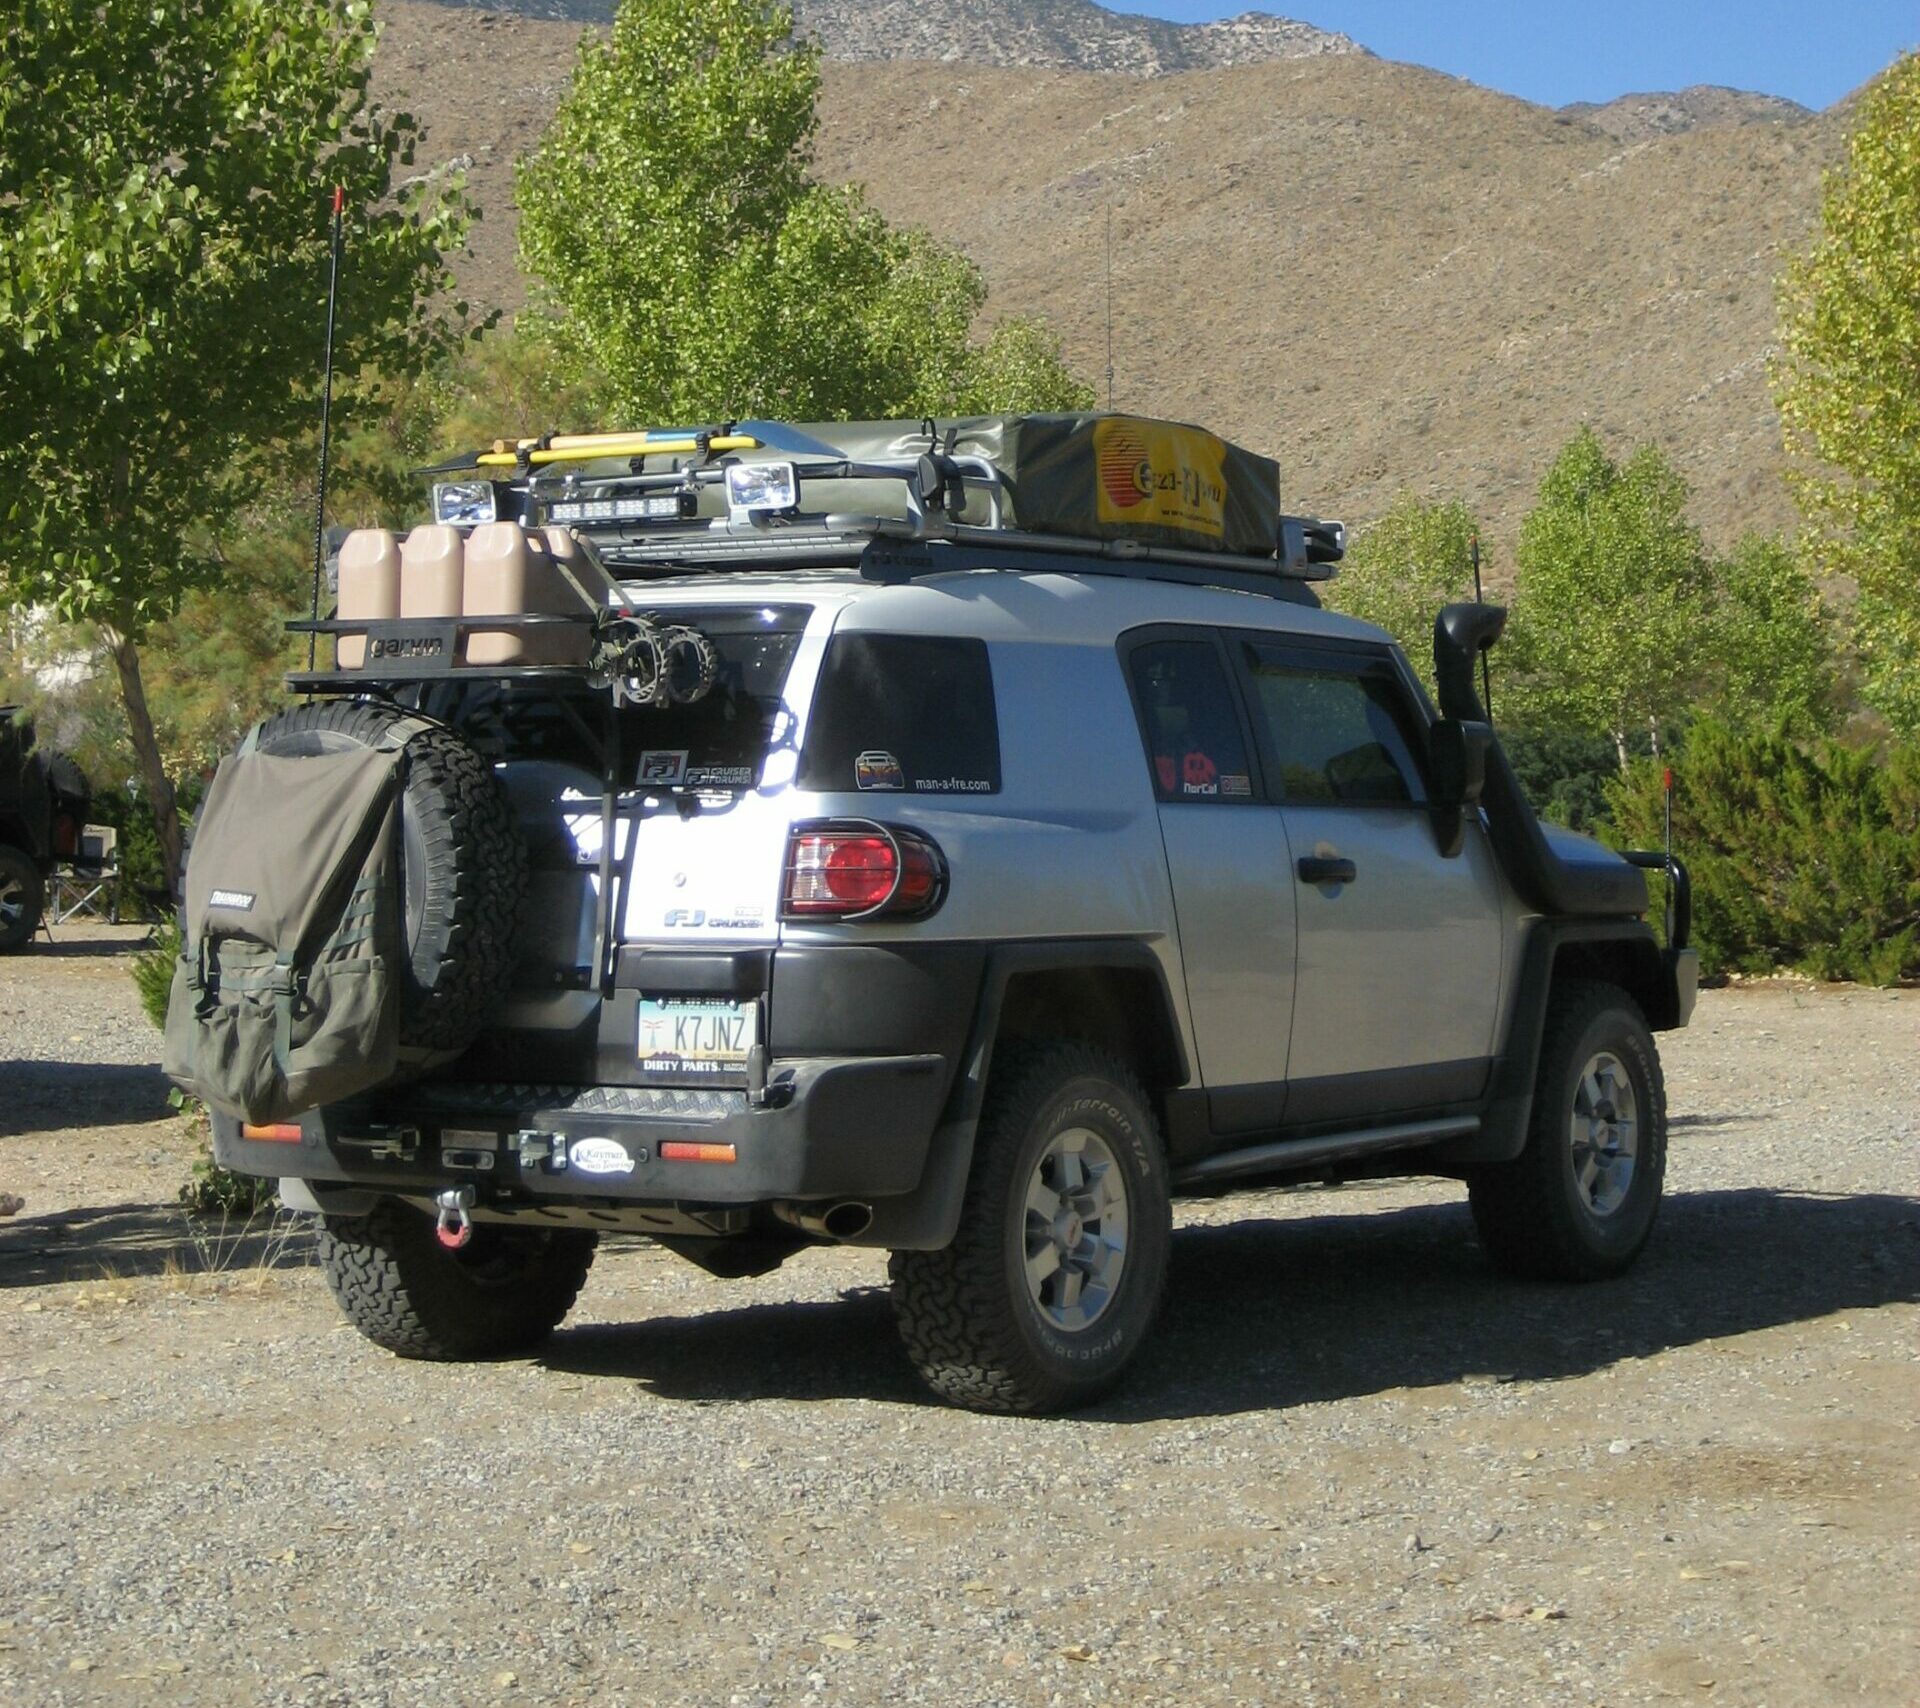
(861,870)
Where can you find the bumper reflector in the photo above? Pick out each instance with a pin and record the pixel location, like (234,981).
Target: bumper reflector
(280,1133)
(678,1150)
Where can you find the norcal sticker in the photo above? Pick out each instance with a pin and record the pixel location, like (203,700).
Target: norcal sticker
(239,901)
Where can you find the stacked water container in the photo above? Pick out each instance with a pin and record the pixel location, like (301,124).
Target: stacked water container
(499,569)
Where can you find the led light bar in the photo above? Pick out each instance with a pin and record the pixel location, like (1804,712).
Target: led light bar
(464,503)
(660,507)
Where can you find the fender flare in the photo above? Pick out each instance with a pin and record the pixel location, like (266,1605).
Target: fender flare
(926,1218)
(1662,981)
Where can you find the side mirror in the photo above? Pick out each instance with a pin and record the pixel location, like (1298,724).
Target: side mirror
(1457,765)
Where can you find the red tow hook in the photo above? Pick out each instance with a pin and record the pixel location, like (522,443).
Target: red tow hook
(454,1227)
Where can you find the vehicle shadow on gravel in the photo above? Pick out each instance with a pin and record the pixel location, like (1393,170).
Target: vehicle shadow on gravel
(121,1241)
(1266,1314)
(88,948)
(47,1097)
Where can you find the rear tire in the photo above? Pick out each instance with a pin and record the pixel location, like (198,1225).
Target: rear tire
(463,866)
(1579,1202)
(1055,1276)
(23,897)
(503,1292)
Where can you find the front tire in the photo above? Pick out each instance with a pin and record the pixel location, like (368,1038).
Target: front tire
(1579,1201)
(1055,1275)
(23,896)
(504,1292)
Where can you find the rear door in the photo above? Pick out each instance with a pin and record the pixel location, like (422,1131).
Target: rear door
(1227,858)
(1397,981)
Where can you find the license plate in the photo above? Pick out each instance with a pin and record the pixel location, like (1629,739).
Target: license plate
(696,1036)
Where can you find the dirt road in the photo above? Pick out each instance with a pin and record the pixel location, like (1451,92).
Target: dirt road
(1352,1468)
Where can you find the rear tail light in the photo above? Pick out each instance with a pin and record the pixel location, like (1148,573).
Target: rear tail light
(857,869)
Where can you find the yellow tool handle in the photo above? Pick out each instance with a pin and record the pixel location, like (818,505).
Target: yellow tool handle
(587,447)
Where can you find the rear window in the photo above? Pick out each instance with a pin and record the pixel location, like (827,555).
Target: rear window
(721,741)
(903,713)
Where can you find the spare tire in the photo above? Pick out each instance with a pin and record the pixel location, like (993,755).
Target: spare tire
(463,866)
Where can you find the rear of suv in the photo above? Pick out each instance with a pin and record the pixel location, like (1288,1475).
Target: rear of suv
(954,887)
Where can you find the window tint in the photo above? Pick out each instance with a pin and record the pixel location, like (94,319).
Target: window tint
(722,739)
(1194,745)
(1334,731)
(903,712)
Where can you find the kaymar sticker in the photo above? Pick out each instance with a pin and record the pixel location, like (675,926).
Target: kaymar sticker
(663,765)
(236,901)
(599,1156)
(878,769)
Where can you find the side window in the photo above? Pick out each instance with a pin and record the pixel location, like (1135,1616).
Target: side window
(1194,745)
(910,713)
(1336,730)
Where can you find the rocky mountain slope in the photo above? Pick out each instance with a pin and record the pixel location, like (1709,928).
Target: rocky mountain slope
(1635,118)
(1386,277)
(1074,35)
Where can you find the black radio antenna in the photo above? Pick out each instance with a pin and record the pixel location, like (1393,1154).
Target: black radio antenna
(1486,676)
(1109,303)
(326,421)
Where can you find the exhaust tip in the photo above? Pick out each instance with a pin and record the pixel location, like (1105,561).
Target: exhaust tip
(847,1220)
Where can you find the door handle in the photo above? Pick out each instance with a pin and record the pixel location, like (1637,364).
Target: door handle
(1319,869)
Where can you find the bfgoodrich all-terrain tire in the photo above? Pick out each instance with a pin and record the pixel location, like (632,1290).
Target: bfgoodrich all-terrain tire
(23,894)
(503,1292)
(463,865)
(1579,1202)
(1055,1275)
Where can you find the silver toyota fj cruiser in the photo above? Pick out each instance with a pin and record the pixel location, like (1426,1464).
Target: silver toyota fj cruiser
(960,838)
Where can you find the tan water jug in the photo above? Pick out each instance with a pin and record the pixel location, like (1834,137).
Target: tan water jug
(369,588)
(511,573)
(430,561)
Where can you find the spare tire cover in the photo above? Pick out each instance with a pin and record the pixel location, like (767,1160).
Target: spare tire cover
(463,865)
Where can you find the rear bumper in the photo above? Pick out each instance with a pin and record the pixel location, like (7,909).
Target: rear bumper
(832,1127)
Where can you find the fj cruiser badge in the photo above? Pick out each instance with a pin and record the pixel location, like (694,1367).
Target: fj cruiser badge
(599,1156)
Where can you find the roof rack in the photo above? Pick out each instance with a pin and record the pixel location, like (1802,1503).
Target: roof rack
(714,506)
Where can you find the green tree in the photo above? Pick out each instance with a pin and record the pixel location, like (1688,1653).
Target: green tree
(1399,571)
(693,263)
(164,178)
(1773,650)
(1612,596)
(1848,384)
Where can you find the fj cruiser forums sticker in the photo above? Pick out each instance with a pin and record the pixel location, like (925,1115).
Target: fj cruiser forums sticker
(599,1156)
(1155,471)
(663,765)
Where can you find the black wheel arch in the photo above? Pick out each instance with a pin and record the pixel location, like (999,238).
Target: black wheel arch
(1109,992)
(1622,953)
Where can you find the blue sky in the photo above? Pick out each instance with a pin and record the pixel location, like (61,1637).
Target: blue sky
(1555,51)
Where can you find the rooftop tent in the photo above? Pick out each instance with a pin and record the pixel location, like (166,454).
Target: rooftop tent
(1093,476)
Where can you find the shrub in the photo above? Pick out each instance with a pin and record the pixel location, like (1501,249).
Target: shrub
(153,971)
(1564,774)
(1806,856)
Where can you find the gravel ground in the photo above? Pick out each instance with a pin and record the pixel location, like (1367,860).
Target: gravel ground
(1352,1468)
